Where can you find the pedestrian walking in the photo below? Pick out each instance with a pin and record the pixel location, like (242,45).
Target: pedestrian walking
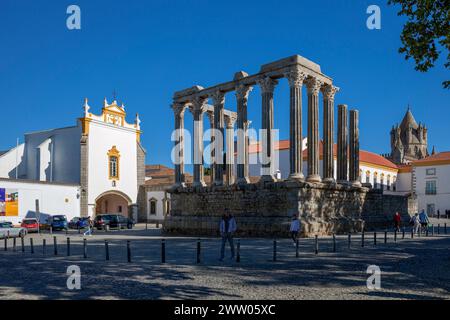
(424,220)
(397,221)
(90,227)
(227,229)
(415,223)
(295,228)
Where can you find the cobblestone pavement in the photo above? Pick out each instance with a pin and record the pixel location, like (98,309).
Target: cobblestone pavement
(417,268)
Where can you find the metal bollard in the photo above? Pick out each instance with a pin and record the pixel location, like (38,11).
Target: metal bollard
(6,243)
(296,248)
(84,248)
(375,238)
(439,228)
(55,246)
(22,243)
(395,236)
(403,233)
(432,230)
(362,239)
(14,244)
(198,250)
(274,250)
(51,230)
(385,237)
(106,250)
(334,242)
(349,240)
(445,228)
(31,245)
(163,251)
(128,251)
(426,231)
(317,244)
(43,246)
(412,233)
(238,251)
(68,246)
(157,224)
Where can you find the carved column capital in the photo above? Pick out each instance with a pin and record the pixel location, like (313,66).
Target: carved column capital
(242,91)
(230,121)
(295,77)
(329,91)
(313,85)
(267,84)
(218,98)
(178,108)
(199,104)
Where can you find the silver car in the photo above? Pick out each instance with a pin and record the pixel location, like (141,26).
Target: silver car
(8,230)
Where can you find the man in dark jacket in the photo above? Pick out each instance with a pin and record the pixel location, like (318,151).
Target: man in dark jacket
(227,229)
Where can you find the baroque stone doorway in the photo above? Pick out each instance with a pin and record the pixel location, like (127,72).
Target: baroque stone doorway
(114,202)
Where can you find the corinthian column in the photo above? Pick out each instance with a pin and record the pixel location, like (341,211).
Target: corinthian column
(219,103)
(229,121)
(354,149)
(342,145)
(242,92)
(212,126)
(328,132)
(267,87)
(295,78)
(179,110)
(313,86)
(198,111)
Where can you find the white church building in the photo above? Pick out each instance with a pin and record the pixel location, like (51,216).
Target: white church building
(94,167)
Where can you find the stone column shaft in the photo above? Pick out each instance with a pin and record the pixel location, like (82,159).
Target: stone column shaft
(219,123)
(242,168)
(267,87)
(295,78)
(212,126)
(179,142)
(342,144)
(198,111)
(354,174)
(313,86)
(230,150)
(328,132)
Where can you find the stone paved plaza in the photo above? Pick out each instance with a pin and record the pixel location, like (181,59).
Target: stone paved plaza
(411,268)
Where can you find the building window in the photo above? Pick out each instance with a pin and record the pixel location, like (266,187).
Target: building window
(430,187)
(119,209)
(382,182)
(388,182)
(113,163)
(431,172)
(394,183)
(375,180)
(152,206)
(367,176)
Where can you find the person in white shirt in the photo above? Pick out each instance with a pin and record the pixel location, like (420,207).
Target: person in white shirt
(295,228)
(227,229)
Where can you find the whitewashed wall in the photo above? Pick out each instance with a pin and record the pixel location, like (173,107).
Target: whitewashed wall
(159,197)
(102,137)
(54,199)
(441,199)
(10,160)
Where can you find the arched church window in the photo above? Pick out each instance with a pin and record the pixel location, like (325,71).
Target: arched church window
(367,176)
(382,181)
(153,206)
(375,180)
(388,182)
(113,163)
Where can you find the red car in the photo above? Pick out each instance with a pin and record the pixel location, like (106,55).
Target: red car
(31,225)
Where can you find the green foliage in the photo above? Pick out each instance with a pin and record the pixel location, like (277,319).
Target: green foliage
(426,33)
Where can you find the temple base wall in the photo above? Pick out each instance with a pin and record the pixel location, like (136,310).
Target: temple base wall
(266,210)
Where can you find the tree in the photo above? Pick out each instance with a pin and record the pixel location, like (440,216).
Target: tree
(426,33)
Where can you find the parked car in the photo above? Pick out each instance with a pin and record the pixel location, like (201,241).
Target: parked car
(59,222)
(30,224)
(7,229)
(79,222)
(112,221)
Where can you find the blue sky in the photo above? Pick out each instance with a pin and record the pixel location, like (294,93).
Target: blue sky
(146,50)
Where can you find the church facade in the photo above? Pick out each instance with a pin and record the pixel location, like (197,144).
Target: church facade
(100,160)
